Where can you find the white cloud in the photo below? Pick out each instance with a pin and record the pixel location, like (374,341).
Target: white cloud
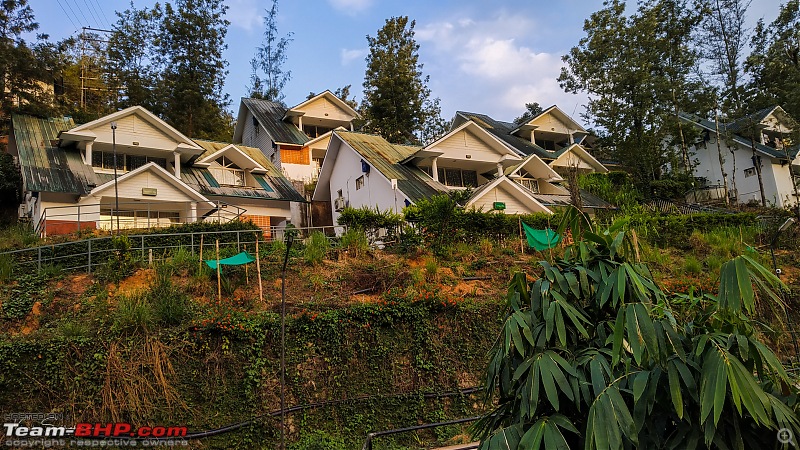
(244,14)
(495,65)
(350,55)
(351,7)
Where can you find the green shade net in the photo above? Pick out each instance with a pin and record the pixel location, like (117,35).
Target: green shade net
(541,239)
(236,260)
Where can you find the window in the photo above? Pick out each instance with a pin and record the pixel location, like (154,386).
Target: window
(227,173)
(749,172)
(105,161)
(360,182)
(547,145)
(531,183)
(137,219)
(458,177)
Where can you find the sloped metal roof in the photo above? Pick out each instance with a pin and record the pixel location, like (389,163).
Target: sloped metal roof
(270,116)
(46,168)
(385,157)
(202,179)
(761,148)
(503,131)
(589,200)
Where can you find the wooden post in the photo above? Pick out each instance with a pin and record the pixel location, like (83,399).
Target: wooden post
(521,244)
(258,271)
(246,275)
(219,280)
(200,269)
(636,245)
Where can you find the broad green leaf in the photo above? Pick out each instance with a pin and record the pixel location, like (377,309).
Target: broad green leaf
(675,389)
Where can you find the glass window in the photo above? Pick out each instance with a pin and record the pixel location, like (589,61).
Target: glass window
(360,182)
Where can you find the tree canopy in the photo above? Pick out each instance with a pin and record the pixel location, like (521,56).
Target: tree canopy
(397,102)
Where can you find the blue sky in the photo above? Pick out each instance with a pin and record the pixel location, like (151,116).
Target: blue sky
(487,57)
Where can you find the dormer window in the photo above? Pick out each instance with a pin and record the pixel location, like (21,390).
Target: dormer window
(227,173)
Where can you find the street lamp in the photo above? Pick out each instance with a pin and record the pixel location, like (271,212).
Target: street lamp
(788,223)
(116,190)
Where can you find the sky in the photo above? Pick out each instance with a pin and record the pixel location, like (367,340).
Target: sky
(484,57)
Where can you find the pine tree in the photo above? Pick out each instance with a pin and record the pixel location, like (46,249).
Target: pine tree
(270,59)
(191,39)
(531,110)
(130,56)
(397,101)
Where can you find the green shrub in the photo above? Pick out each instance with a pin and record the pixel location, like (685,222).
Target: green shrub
(120,263)
(370,220)
(133,314)
(6,267)
(316,247)
(73,329)
(672,187)
(714,262)
(319,440)
(354,241)
(170,306)
(17,236)
(692,266)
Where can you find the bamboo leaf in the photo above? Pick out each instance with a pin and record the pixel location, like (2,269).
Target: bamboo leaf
(675,389)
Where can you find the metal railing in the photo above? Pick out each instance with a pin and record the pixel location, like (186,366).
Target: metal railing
(427,426)
(130,216)
(88,254)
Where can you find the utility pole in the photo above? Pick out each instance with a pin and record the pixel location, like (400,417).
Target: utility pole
(116,190)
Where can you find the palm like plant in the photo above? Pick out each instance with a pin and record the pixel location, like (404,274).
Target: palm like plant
(591,355)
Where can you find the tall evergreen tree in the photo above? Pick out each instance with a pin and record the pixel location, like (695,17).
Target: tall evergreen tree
(130,56)
(269,60)
(636,69)
(723,40)
(21,73)
(191,39)
(397,101)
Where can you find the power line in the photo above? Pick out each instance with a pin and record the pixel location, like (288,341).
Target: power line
(67,15)
(104,14)
(90,7)
(79,10)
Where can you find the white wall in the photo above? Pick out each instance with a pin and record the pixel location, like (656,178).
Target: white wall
(464,143)
(377,190)
(324,109)
(500,194)
(300,172)
(707,165)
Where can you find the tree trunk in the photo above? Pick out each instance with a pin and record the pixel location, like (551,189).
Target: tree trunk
(721,160)
(684,149)
(757,162)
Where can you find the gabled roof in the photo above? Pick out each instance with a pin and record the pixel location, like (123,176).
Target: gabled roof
(386,158)
(233,152)
(582,154)
(519,192)
(280,188)
(45,167)
(711,127)
(560,115)
(139,111)
(158,171)
(754,119)
(533,163)
(482,134)
(270,117)
(328,95)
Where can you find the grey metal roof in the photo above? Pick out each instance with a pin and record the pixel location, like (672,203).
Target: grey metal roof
(46,168)
(711,126)
(386,157)
(745,122)
(270,116)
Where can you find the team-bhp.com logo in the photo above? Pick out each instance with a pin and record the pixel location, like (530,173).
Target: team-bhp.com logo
(96,430)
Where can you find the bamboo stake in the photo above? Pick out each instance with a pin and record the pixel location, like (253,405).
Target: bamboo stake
(521,245)
(258,270)
(246,275)
(219,280)
(201,255)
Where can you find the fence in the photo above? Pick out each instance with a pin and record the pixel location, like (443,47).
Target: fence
(129,216)
(88,254)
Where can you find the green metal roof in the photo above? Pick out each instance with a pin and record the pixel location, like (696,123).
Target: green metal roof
(280,188)
(270,116)
(46,168)
(385,157)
